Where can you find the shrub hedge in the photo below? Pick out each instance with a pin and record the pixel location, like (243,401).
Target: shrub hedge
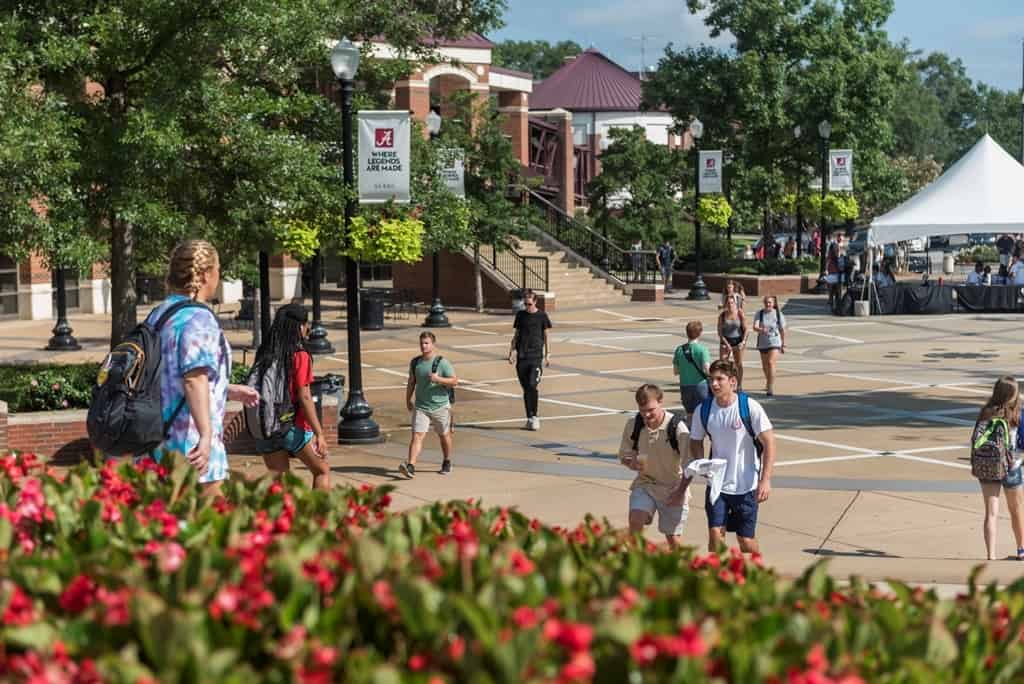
(127,575)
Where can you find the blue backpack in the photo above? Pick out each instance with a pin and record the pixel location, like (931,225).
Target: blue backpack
(705,414)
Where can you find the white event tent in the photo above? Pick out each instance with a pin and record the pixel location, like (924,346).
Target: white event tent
(981,193)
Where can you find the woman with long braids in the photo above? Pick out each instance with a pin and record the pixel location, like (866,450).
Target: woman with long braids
(283,351)
(194,382)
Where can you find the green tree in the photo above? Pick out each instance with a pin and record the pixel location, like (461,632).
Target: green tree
(635,194)
(207,124)
(537,57)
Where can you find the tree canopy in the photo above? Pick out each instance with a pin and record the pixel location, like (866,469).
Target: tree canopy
(537,57)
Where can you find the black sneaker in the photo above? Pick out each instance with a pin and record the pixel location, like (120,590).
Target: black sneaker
(407,469)
(446,468)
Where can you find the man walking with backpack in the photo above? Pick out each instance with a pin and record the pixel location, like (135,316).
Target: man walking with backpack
(665,255)
(432,383)
(741,435)
(690,363)
(531,350)
(651,446)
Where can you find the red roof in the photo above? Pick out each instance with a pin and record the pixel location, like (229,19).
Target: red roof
(589,83)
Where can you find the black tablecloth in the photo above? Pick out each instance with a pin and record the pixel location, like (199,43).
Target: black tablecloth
(987,297)
(902,299)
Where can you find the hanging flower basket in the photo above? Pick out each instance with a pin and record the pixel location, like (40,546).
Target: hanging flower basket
(714,211)
(385,240)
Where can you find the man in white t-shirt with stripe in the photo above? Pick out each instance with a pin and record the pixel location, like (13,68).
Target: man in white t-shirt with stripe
(747,478)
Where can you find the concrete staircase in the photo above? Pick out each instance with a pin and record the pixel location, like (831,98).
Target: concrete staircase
(574,286)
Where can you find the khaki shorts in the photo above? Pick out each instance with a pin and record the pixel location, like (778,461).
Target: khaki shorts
(439,420)
(671,519)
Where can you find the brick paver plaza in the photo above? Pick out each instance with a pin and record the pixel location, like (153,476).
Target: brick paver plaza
(872,419)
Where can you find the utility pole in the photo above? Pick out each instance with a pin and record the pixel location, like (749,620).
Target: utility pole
(643,38)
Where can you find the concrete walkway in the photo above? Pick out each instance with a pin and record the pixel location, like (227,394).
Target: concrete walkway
(872,418)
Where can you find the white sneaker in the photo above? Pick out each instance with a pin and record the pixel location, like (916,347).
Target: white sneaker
(533,424)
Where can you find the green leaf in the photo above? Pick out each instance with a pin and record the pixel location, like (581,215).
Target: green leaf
(39,636)
(371,557)
(942,649)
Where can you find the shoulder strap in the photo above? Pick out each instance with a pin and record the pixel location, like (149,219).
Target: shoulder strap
(744,401)
(705,413)
(688,353)
(412,365)
(437,362)
(673,427)
(638,423)
(175,308)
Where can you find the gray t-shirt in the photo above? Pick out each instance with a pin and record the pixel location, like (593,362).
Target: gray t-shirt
(772,321)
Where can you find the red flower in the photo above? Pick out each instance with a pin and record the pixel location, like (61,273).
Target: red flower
(115,606)
(383,595)
(456,649)
(79,595)
(816,659)
(572,636)
(19,610)
(291,644)
(627,598)
(690,641)
(325,656)
(418,662)
(521,564)
(579,668)
(525,617)
(644,650)
(170,557)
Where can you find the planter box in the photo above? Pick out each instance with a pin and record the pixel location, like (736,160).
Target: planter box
(758,285)
(60,437)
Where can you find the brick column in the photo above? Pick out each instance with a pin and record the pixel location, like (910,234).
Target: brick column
(594,141)
(285,277)
(566,161)
(35,290)
(516,123)
(413,96)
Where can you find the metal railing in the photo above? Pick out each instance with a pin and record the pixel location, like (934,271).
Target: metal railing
(625,265)
(526,272)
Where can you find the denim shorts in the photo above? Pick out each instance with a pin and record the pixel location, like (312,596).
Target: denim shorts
(735,512)
(293,441)
(693,395)
(1013,478)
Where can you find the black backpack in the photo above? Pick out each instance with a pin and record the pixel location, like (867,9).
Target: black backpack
(125,414)
(673,427)
(433,369)
(275,413)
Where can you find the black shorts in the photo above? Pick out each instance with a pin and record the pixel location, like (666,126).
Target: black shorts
(735,512)
(734,341)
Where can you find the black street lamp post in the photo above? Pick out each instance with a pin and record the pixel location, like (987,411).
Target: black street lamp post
(62,339)
(825,131)
(265,321)
(317,342)
(356,425)
(797,132)
(699,291)
(436,318)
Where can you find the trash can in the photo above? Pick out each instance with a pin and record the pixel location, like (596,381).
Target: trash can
(324,386)
(371,314)
(517,300)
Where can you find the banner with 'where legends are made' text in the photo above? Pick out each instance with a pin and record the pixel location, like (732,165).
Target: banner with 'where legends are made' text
(710,172)
(384,157)
(840,170)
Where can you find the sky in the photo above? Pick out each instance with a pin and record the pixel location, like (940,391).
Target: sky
(985,34)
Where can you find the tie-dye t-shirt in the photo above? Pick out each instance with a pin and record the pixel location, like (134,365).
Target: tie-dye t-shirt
(192,339)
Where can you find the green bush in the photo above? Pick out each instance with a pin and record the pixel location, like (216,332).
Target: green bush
(128,574)
(986,254)
(47,387)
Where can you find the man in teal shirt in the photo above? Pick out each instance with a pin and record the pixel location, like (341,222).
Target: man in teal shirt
(690,363)
(431,381)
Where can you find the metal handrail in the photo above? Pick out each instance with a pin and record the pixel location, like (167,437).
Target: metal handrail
(525,272)
(627,266)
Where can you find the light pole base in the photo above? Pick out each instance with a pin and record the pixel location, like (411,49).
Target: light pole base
(698,291)
(317,342)
(822,286)
(436,318)
(356,425)
(62,339)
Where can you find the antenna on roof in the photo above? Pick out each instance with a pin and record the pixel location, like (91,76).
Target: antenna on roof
(643,38)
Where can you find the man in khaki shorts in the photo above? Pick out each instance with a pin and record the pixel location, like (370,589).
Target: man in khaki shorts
(651,446)
(431,379)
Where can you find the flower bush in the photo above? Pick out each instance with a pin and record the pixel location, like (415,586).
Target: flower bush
(714,210)
(385,239)
(125,574)
(47,388)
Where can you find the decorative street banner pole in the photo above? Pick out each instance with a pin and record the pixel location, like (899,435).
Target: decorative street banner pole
(452,167)
(710,171)
(840,170)
(384,157)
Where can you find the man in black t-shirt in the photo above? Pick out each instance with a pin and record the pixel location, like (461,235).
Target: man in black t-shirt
(531,352)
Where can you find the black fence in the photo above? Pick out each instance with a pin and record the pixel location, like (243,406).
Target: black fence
(527,272)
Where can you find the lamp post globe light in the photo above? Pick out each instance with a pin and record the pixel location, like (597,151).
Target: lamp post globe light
(62,339)
(356,425)
(824,132)
(699,291)
(436,318)
(797,134)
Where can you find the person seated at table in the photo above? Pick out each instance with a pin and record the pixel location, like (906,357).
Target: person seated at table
(885,277)
(986,276)
(974,278)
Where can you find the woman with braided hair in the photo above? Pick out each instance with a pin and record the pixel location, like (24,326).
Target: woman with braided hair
(283,351)
(194,382)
